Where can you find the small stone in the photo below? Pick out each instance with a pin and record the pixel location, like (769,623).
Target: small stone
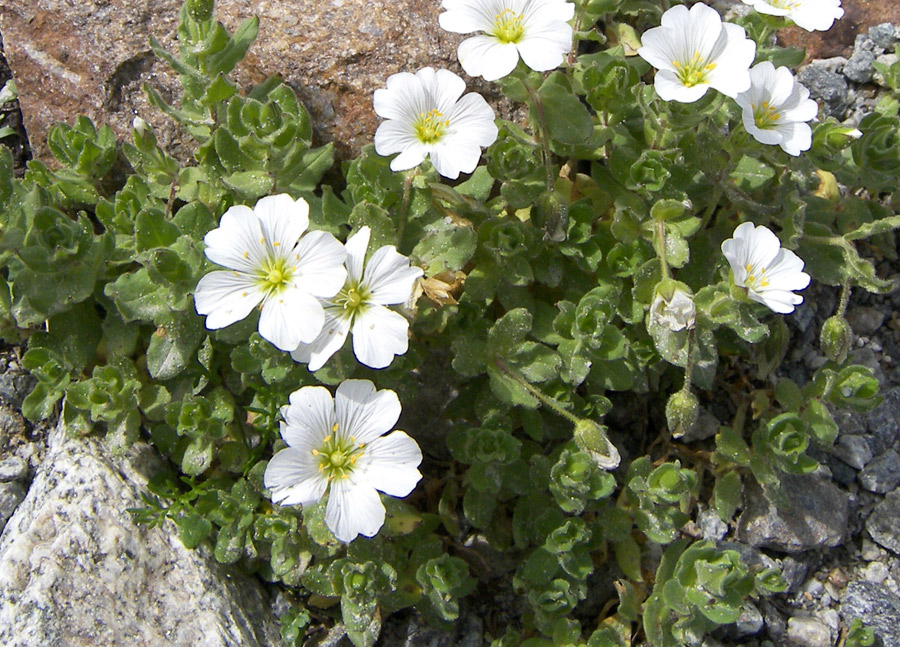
(884,522)
(750,622)
(859,67)
(883,35)
(871,551)
(831,618)
(825,83)
(853,450)
(876,606)
(11,495)
(13,468)
(711,526)
(865,320)
(808,632)
(876,572)
(883,422)
(794,571)
(882,474)
(806,512)
(707,426)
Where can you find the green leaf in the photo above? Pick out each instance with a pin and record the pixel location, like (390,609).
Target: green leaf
(628,557)
(567,119)
(151,229)
(192,528)
(727,495)
(250,184)
(174,344)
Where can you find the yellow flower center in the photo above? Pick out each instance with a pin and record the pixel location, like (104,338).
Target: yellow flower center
(756,277)
(337,455)
(765,116)
(508,26)
(694,71)
(275,275)
(353,298)
(429,126)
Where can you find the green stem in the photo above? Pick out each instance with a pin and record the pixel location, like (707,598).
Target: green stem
(845,297)
(537,393)
(541,125)
(689,364)
(404,203)
(661,248)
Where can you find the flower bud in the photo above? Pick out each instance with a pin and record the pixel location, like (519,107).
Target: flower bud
(139,125)
(673,306)
(842,137)
(682,411)
(200,10)
(836,338)
(591,438)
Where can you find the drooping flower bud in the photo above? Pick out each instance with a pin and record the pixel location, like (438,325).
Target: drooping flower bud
(673,306)
(836,338)
(591,438)
(682,411)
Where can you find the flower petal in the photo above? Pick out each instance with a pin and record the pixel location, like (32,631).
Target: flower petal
(283,220)
(389,464)
(378,335)
(238,242)
(290,317)
(225,297)
(353,509)
(356,247)
(319,261)
(362,412)
(487,57)
(308,418)
(330,340)
(293,476)
(389,277)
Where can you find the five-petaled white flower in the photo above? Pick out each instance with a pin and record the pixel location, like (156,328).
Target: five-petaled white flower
(764,268)
(338,446)
(538,30)
(273,265)
(776,109)
(811,15)
(426,117)
(693,50)
(359,308)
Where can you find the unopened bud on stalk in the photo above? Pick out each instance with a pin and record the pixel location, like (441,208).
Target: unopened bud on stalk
(673,306)
(200,10)
(591,438)
(682,410)
(842,137)
(836,338)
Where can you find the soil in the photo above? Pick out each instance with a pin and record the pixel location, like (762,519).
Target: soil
(859,15)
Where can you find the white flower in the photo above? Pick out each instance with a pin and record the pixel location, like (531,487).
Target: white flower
(673,308)
(359,308)
(339,446)
(426,117)
(776,109)
(811,15)
(694,51)
(538,30)
(271,264)
(769,272)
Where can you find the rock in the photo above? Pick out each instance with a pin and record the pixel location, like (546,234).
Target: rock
(882,474)
(76,570)
(876,606)
(825,84)
(876,572)
(883,35)
(707,426)
(711,526)
(15,386)
(884,522)
(865,320)
(853,450)
(750,622)
(859,67)
(334,54)
(11,495)
(13,468)
(883,422)
(806,512)
(808,632)
(411,630)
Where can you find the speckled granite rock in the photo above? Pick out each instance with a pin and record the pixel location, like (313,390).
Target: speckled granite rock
(76,571)
(92,56)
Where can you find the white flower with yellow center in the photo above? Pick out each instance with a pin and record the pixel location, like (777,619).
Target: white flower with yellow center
(536,30)
(339,447)
(811,15)
(427,117)
(693,50)
(360,308)
(768,272)
(776,109)
(273,265)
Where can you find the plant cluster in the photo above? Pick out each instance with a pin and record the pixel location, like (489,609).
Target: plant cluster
(644,235)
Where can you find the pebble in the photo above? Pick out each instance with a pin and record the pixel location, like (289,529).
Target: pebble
(11,495)
(13,468)
(859,67)
(750,622)
(883,422)
(876,572)
(711,526)
(883,35)
(853,450)
(884,522)
(865,320)
(876,606)
(825,83)
(871,551)
(808,632)
(882,474)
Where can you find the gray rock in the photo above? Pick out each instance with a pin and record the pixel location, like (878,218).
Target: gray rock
(11,495)
(883,422)
(883,35)
(402,630)
(865,320)
(806,512)
(750,622)
(707,426)
(853,450)
(808,632)
(825,84)
(876,606)
(884,522)
(882,474)
(13,468)
(711,526)
(76,570)
(14,387)
(859,67)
